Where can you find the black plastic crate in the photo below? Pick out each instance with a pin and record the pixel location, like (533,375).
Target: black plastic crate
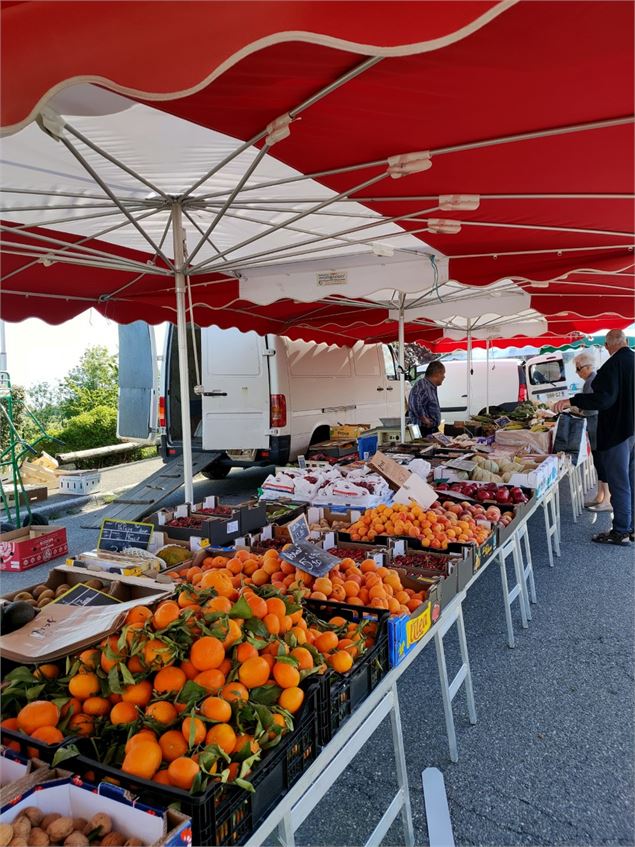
(224,814)
(45,752)
(341,694)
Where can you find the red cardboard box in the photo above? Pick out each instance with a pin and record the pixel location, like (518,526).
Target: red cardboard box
(33,545)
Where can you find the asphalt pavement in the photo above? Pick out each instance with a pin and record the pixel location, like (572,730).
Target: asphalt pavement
(551,757)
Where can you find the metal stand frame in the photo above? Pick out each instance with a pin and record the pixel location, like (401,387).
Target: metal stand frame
(551,511)
(449,690)
(511,548)
(524,550)
(576,490)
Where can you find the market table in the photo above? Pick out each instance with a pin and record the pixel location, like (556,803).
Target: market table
(311,788)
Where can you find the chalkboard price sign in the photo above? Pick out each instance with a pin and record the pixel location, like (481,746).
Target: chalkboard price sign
(299,529)
(116,535)
(84,595)
(310,558)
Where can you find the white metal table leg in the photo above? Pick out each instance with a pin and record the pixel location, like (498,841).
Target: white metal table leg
(525,611)
(511,642)
(465,658)
(285,833)
(402,772)
(525,547)
(447,702)
(449,690)
(556,506)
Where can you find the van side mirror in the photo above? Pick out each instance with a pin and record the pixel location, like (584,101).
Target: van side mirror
(412,373)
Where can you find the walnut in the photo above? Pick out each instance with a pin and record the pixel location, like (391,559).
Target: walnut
(6,834)
(33,814)
(113,839)
(59,829)
(47,820)
(38,838)
(99,822)
(76,839)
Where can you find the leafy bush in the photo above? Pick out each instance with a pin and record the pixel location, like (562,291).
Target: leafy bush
(96,428)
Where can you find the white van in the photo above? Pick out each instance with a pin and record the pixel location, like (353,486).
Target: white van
(541,378)
(265,399)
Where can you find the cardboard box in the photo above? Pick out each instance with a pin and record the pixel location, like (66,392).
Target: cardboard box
(406,631)
(71,797)
(31,546)
(31,494)
(394,473)
(459,563)
(218,531)
(348,431)
(18,776)
(59,629)
(333,448)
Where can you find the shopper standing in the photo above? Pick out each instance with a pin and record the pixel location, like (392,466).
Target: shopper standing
(614,398)
(423,402)
(585,369)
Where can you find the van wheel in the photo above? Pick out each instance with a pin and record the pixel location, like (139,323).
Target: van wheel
(216,471)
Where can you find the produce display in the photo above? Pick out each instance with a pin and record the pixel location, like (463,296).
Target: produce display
(496,470)
(33,828)
(336,485)
(486,493)
(437,527)
(193,690)
(367,585)
(527,415)
(217,511)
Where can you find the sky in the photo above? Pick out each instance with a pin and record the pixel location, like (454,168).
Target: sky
(38,352)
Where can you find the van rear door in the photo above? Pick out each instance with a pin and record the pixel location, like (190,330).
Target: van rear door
(138,382)
(546,379)
(235,390)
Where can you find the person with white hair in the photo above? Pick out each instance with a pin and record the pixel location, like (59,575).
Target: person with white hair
(613,397)
(585,369)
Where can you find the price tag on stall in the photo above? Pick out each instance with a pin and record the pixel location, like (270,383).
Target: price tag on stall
(209,502)
(442,439)
(84,595)
(461,465)
(302,463)
(503,421)
(299,529)
(267,532)
(309,558)
(116,535)
(182,511)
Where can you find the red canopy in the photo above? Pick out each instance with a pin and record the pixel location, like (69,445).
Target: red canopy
(527,105)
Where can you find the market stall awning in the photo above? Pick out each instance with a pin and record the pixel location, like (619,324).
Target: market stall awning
(288,131)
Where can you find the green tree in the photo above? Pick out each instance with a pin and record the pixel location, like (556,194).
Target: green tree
(44,401)
(92,383)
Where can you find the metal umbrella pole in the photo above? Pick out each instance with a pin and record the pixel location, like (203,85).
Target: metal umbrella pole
(402,376)
(469,366)
(181,329)
(487,376)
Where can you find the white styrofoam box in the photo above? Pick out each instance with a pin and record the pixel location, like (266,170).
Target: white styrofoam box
(79,482)
(72,801)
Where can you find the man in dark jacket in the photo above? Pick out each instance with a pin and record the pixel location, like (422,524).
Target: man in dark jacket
(614,398)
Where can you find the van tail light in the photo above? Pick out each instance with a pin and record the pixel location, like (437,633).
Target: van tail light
(278,410)
(162,411)
(522,393)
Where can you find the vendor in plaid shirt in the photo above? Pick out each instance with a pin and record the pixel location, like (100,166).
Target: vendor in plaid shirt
(423,403)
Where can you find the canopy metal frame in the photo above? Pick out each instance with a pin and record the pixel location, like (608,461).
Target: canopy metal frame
(133,211)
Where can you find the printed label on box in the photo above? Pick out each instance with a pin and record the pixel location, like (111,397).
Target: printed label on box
(232,526)
(417,627)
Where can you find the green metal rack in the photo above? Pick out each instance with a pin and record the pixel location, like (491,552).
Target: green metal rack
(13,453)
